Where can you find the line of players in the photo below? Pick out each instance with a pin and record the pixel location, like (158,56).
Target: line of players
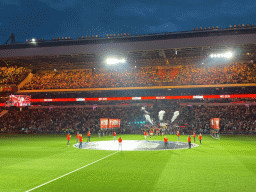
(178,135)
(79,138)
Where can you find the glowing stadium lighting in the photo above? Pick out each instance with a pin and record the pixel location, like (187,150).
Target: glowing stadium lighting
(222,55)
(33,40)
(111,61)
(228,55)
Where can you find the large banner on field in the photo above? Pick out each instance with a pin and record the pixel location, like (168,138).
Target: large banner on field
(215,123)
(104,123)
(114,123)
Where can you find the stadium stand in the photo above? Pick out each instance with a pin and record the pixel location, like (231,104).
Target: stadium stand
(232,73)
(146,67)
(13,75)
(235,119)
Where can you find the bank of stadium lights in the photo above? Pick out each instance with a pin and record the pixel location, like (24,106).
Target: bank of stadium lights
(222,55)
(33,40)
(113,61)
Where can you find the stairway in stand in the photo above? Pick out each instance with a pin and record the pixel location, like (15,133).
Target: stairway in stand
(3,113)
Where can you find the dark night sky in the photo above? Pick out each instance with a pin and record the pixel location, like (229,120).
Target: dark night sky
(62,18)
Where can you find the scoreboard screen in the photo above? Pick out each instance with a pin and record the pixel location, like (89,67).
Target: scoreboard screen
(20,100)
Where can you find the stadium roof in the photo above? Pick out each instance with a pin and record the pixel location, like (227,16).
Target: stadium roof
(193,45)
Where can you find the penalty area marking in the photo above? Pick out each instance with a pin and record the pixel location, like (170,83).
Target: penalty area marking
(71,172)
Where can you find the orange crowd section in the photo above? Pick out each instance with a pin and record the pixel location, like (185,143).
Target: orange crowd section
(154,76)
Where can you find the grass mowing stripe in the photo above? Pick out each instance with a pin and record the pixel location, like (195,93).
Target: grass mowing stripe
(71,172)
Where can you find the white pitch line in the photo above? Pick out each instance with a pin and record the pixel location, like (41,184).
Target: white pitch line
(70,172)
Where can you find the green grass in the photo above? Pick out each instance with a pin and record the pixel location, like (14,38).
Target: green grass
(27,161)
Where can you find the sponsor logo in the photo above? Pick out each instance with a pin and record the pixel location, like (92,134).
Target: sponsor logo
(136,98)
(47,99)
(80,99)
(160,97)
(198,97)
(103,99)
(224,96)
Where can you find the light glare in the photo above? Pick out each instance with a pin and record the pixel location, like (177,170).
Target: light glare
(225,55)
(111,61)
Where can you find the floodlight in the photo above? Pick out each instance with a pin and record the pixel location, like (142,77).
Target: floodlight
(112,61)
(33,40)
(228,54)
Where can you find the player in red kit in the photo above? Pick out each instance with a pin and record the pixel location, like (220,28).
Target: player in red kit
(68,138)
(88,136)
(81,141)
(114,134)
(194,136)
(151,133)
(77,137)
(165,142)
(120,143)
(178,135)
(200,138)
(189,141)
(145,135)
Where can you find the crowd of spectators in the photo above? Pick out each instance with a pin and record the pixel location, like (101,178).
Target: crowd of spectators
(232,73)
(233,119)
(191,74)
(13,75)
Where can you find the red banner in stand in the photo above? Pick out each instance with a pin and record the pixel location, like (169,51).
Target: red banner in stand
(144,98)
(103,123)
(215,123)
(114,123)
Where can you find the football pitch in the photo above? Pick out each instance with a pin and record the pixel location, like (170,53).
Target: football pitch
(46,163)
